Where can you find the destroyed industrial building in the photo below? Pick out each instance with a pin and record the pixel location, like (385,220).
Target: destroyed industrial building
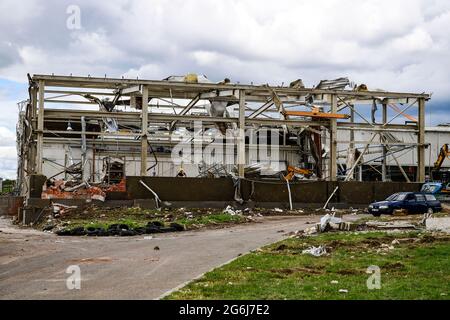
(127,139)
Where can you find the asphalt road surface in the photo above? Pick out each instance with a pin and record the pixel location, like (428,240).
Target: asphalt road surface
(33,264)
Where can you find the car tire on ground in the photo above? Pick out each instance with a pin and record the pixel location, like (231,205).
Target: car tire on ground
(376,214)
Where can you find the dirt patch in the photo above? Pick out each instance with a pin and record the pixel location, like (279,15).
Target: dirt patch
(372,243)
(337,244)
(281,247)
(288,271)
(357,245)
(393,266)
(428,239)
(349,272)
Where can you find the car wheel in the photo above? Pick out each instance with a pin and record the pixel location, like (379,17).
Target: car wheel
(430,211)
(376,214)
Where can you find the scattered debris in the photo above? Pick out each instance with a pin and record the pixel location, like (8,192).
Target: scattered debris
(334,282)
(156,248)
(343,291)
(119,187)
(62,209)
(329,221)
(438,224)
(278,210)
(157,200)
(315,251)
(60,189)
(390,225)
(231,211)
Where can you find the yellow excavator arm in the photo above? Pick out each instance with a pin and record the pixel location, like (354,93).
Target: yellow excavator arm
(444,153)
(293,170)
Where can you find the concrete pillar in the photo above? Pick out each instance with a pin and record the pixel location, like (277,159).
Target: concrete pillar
(384,152)
(144,131)
(421,142)
(40,128)
(332,165)
(241,138)
(31,158)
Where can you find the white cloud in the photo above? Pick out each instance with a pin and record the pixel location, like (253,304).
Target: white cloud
(7,137)
(8,163)
(400,45)
(404,40)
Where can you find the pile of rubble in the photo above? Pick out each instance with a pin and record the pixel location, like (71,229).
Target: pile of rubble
(73,189)
(60,189)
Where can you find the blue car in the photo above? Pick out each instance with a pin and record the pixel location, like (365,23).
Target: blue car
(411,202)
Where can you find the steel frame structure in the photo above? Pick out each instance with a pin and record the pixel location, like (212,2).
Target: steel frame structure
(270,100)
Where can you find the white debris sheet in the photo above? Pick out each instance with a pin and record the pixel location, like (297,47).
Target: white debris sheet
(315,251)
(327,220)
(231,211)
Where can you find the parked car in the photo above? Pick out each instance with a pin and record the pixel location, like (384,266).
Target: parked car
(412,202)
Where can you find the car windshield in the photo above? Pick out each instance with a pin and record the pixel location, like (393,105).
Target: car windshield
(430,197)
(429,188)
(396,197)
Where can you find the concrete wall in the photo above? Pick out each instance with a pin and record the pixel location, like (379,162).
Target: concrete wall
(9,205)
(202,190)
(192,189)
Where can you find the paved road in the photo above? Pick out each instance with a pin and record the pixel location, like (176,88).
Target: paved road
(33,264)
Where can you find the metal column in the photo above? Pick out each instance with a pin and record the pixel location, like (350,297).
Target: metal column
(241,138)
(332,164)
(144,131)
(384,152)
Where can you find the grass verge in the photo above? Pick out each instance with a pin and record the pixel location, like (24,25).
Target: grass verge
(415,267)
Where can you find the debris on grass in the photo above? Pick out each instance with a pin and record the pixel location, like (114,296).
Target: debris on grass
(390,225)
(329,221)
(61,209)
(438,224)
(315,251)
(231,211)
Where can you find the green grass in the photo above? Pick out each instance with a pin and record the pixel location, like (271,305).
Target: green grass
(140,220)
(212,219)
(412,270)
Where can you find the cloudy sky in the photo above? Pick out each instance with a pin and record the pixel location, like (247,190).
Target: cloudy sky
(390,44)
